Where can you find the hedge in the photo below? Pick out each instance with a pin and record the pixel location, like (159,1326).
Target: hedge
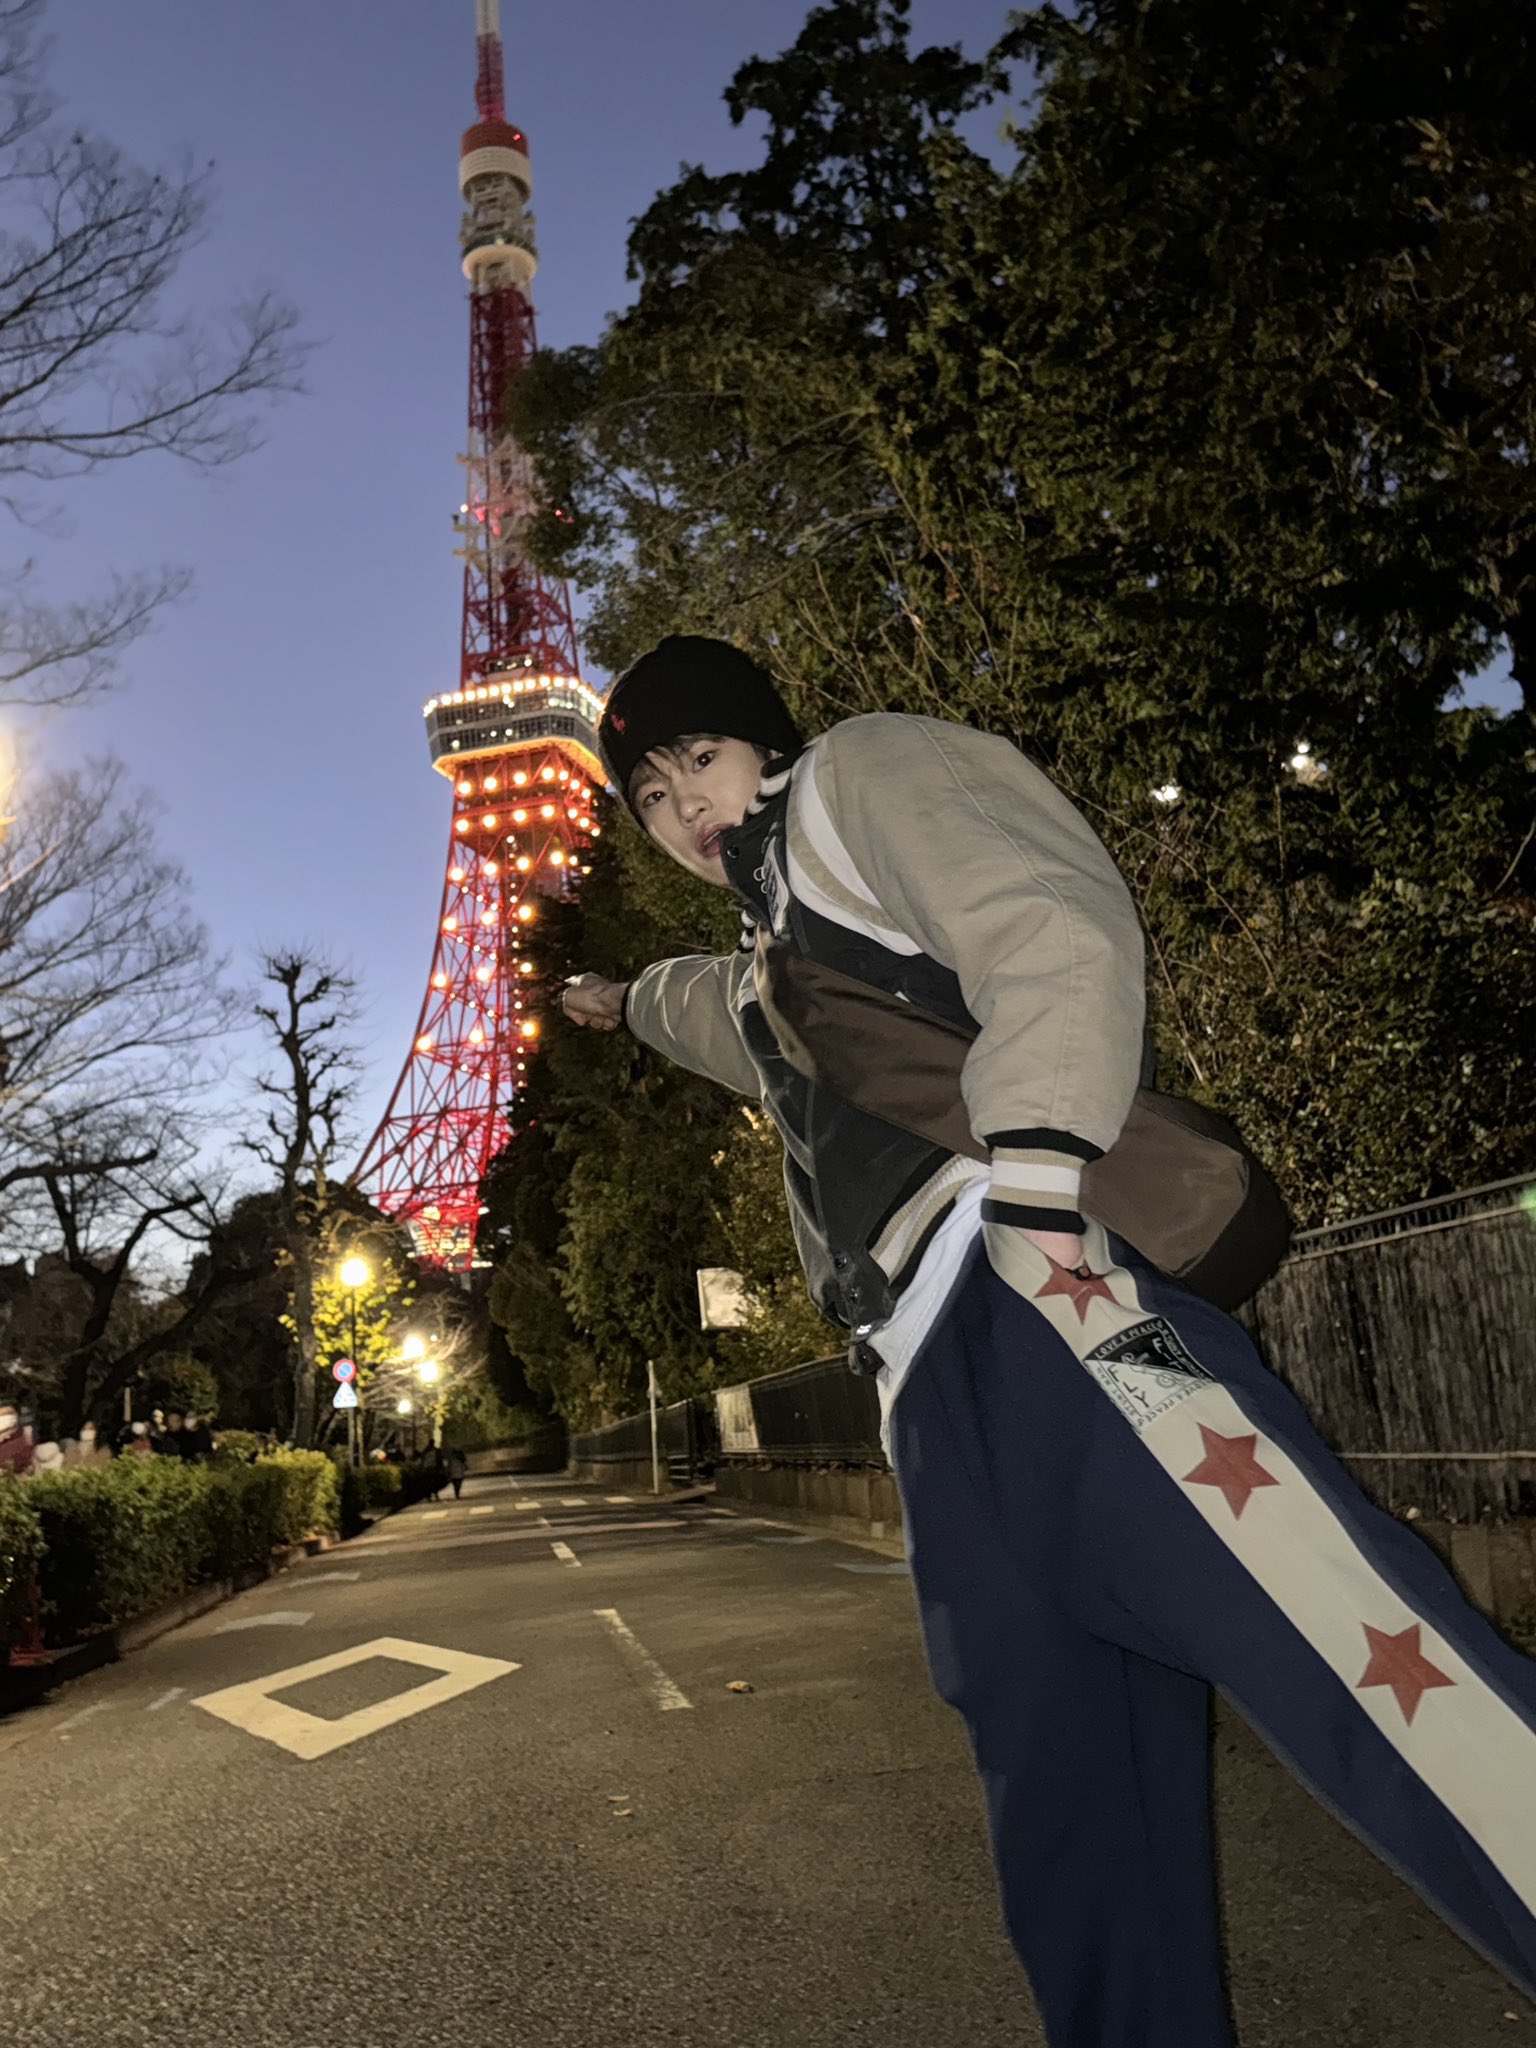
(120,1540)
(21,1543)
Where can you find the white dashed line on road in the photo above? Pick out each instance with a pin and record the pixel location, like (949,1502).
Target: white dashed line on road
(565,1553)
(331,1578)
(434,1514)
(667,1695)
(84,1714)
(618,1500)
(281,1617)
(490,1510)
(578,1502)
(527,1504)
(165,1699)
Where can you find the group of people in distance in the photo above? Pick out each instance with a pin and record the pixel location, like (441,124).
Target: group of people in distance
(175,1433)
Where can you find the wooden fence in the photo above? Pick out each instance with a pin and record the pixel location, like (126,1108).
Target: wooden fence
(1411,1338)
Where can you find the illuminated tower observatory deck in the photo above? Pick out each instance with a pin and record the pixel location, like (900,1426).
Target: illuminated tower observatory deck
(517,738)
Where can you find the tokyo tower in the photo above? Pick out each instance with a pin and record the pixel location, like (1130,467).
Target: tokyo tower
(517,740)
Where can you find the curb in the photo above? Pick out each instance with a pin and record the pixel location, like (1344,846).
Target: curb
(23,1685)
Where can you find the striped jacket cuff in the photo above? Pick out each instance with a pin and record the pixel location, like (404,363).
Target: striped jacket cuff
(1035,1179)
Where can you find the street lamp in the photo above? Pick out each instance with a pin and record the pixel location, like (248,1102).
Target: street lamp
(355,1273)
(408,1407)
(427,1372)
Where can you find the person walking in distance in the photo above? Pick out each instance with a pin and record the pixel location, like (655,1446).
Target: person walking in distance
(456,1464)
(1111,1506)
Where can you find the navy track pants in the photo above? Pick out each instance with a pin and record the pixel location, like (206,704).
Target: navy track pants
(1112,1507)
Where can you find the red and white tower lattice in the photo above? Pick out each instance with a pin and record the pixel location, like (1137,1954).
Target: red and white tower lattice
(517,739)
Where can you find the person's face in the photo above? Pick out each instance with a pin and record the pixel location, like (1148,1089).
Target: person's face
(10,1422)
(173,1420)
(688,796)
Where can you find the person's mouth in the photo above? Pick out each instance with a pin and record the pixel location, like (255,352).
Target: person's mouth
(708,841)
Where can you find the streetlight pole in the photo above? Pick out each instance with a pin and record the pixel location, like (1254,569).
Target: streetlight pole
(355,1274)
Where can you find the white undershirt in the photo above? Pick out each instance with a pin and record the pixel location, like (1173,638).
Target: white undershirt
(899,1340)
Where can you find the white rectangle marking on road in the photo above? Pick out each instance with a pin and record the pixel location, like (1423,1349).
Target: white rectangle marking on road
(488,1510)
(434,1514)
(84,1714)
(664,1691)
(579,1502)
(565,1553)
(252,1707)
(618,1500)
(522,1504)
(165,1699)
(331,1578)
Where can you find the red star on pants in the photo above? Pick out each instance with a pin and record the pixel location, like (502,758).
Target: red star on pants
(1081,1288)
(1398,1661)
(1230,1463)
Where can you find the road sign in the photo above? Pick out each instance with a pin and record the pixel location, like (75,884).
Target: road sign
(345,1396)
(343,1369)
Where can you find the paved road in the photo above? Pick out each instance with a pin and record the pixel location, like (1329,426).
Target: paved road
(581,1838)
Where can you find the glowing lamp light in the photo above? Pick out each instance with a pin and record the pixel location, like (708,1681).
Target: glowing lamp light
(546,774)
(424,1043)
(525,967)
(466,788)
(484,973)
(491,785)
(455,874)
(461,824)
(355,1273)
(487,917)
(414,1347)
(557,859)
(489,821)
(565,774)
(491,870)
(519,817)
(525,913)
(523,863)
(477,1036)
(450,924)
(1167,793)
(548,811)
(530,1029)
(439,981)
(402,1407)
(520,778)
(427,1371)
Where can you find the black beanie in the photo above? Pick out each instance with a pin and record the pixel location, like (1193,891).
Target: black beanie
(691,684)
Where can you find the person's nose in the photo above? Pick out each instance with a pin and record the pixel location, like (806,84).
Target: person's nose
(691,804)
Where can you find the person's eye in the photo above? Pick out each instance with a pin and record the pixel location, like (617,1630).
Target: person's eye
(704,756)
(646,796)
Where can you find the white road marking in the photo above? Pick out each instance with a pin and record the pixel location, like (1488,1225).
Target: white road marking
(281,1617)
(165,1699)
(667,1695)
(527,1504)
(307,1736)
(84,1714)
(434,1514)
(578,1502)
(618,1500)
(471,1539)
(331,1578)
(484,1511)
(565,1553)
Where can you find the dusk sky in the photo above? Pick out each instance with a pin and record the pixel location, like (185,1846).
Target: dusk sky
(277,709)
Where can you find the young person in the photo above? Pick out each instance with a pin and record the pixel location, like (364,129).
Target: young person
(1110,1505)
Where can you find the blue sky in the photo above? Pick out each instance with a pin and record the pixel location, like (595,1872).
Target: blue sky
(277,708)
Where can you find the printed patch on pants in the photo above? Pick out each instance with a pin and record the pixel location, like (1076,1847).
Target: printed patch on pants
(1146,1371)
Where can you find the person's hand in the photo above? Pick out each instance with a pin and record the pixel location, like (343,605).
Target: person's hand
(1060,1247)
(590,1000)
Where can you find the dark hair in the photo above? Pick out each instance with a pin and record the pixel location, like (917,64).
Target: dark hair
(678,747)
